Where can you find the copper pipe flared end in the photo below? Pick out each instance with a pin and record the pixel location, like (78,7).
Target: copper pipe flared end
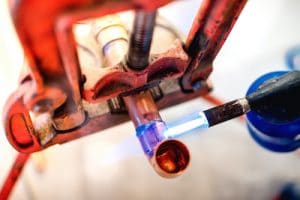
(171,158)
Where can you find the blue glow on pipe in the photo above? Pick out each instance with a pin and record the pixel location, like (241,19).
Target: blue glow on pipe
(189,123)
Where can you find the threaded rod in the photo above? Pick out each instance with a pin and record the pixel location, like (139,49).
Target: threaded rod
(140,39)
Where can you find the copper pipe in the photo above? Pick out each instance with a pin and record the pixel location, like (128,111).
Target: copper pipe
(142,108)
(171,158)
(168,157)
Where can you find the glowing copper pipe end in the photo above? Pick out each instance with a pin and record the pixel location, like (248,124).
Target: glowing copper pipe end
(170,158)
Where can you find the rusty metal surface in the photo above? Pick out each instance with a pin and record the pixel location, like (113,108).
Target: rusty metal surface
(55,87)
(210,29)
(52,106)
(118,79)
(50,27)
(106,120)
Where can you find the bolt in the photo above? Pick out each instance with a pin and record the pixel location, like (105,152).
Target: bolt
(140,39)
(156,93)
(116,105)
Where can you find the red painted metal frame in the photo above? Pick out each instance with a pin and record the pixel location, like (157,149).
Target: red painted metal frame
(13,175)
(210,29)
(55,84)
(22,159)
(55,81)
(120,79)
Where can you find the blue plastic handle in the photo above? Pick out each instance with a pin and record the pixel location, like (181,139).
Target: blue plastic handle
(282,137)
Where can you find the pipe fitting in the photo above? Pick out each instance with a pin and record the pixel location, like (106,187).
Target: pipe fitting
(168,157)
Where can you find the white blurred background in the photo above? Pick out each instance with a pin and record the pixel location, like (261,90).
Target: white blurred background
(226,162)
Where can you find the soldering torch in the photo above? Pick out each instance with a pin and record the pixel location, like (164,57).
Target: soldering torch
(277,99)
